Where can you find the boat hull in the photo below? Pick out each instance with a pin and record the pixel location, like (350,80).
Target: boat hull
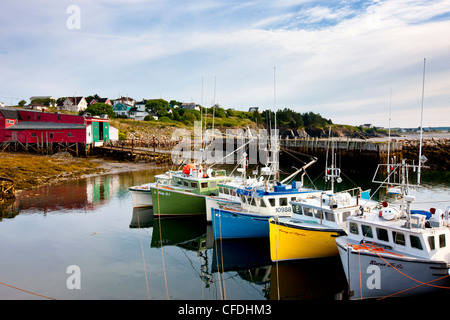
(238,225)
(301,241)
(170,202)
(141,196)
(378,273)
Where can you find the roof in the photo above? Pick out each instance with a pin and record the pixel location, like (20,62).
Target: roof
(10,113)
(34,125)
(120,107)
(73,99)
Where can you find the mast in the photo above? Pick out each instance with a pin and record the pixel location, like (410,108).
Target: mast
(389,139)
(421,119)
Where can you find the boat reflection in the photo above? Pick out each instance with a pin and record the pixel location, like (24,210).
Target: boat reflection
(179,231)
(142,218)
(308,279)
(248,259)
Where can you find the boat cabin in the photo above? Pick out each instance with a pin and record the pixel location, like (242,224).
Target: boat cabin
(420,239)
(276,201)
(331,209)
(207,185)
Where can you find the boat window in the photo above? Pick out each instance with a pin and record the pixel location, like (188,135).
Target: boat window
(345,215)
(226,191)
(262,203)
(431,242)
(213,184)
(293,198)
(441,240)
(329,216)
(318,214)
(382,234)
(272,202)
(399,238)
(179,182)
(232,192)
(307,212)
(194,185)
(415,242)
(353,227)
(204,184)
(367,231)
(252,201)
(283,202)
(186,183)
(221,190)
(297,209)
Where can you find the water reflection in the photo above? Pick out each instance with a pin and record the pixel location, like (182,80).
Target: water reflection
(82,194)
(107,236)
(249,260)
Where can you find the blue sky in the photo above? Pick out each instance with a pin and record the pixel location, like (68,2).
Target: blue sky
(341,59)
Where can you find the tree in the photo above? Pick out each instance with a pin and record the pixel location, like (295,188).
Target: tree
(22,103)
(257,117)
(173,103)
(90,98)
(97,109)
(158,107)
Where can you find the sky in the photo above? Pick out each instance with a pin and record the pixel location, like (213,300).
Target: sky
(352,61)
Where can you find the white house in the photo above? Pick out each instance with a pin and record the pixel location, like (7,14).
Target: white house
(138,112)
(125,100)
(74,104)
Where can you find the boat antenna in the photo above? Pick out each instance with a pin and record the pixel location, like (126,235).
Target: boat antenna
(389,136)
(421,120)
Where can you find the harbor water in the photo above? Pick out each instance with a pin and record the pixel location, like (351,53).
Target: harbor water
(84,240)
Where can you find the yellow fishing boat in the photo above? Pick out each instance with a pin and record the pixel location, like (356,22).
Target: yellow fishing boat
(317,221)
(292,239)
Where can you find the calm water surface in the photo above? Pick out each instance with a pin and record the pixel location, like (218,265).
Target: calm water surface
(123,253)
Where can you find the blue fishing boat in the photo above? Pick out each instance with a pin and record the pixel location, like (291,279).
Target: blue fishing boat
(250,217)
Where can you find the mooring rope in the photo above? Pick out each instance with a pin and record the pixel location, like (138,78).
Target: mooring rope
(143,256)
(421,283)
(160,240)
(36,294)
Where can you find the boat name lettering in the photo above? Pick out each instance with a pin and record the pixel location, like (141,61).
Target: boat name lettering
(384,264)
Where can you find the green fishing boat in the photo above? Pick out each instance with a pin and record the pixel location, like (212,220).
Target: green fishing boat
(187,192)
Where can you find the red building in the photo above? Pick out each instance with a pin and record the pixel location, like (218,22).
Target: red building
(37,127)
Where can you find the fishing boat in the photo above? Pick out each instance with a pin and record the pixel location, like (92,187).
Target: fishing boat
(395,250)
(250,218)
(142,196)
(227,191)
(187,192)
(317,221)
(315,224)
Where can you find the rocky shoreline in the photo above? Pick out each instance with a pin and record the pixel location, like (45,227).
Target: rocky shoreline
(31,170)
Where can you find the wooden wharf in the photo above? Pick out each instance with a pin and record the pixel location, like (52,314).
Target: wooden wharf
(7,190)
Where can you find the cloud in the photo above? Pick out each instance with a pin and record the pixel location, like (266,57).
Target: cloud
(338,58)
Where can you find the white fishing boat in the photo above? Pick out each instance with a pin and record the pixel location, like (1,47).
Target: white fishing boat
(141,195)
(396,251)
